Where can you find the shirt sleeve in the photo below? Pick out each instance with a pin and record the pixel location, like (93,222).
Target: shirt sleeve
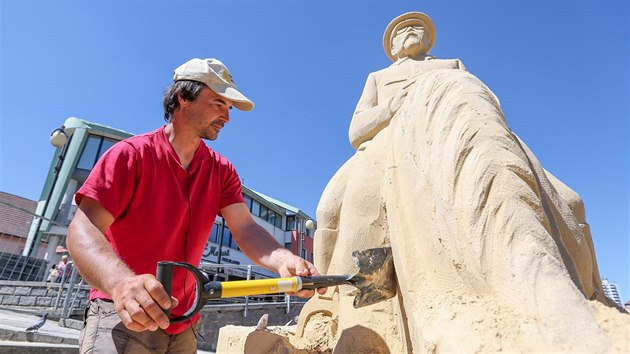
(232,190)
(112,180)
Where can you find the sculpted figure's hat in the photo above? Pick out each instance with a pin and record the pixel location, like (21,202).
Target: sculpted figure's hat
(216,76)
(410,18)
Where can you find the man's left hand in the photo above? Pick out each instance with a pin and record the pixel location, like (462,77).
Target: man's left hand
(298,266)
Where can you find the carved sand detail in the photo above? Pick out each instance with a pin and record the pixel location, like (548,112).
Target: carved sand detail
(492,252)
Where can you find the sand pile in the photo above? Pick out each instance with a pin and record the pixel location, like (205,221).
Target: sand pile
(320,335)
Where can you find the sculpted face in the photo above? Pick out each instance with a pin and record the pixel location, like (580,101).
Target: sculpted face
(410,41)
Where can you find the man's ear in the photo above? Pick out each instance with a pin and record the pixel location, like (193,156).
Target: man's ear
(182,101)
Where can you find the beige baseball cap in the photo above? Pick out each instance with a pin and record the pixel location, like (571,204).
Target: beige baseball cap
(409,18)
(216,76)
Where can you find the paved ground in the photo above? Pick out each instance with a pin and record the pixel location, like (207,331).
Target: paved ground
(13,334)
(18,322)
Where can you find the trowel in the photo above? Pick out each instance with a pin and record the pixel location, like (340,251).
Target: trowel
(375,281)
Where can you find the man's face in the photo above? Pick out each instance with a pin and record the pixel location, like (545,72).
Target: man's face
(410,41)
(206,115)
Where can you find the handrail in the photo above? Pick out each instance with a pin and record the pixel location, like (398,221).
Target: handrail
(65,312)
(62,283)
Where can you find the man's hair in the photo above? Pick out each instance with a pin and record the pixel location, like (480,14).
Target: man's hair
(186,89)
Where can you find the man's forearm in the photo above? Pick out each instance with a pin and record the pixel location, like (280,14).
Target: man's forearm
(93,255)
(262,248)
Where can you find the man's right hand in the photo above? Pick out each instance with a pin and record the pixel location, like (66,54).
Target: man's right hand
(140,300)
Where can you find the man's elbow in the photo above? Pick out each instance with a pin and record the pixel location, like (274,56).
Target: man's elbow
(72,238)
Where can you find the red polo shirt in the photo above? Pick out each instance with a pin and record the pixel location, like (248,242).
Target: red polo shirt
(162,212)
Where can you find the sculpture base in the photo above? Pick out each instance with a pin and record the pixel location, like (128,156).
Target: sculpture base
(319,338)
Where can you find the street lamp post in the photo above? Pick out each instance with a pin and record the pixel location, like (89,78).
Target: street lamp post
(310,224)
(58,138)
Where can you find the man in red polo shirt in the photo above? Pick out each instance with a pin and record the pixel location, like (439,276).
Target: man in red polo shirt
(154,197)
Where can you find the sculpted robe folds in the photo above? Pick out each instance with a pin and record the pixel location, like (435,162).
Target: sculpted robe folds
(491,251)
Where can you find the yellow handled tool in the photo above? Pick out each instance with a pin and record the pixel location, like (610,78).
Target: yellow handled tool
(260,286)
(376,281)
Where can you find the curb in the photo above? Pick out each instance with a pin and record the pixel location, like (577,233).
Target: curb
(36,348)
(34,337)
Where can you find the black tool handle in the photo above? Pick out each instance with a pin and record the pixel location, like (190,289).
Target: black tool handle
(164,275)
(323,281)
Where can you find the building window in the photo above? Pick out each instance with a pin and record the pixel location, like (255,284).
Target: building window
(271,217)
(90,151)
(263,212)
(303,255)
(255,207)
(94,148)
(248,201)
(290,223)
(107,143)
(214,234)
(227,236)
(278,222)
(228,240)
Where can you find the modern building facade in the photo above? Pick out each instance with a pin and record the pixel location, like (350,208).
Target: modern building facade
(611,290)
(81,143)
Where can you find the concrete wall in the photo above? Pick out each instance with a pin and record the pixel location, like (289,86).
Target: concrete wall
(37,295)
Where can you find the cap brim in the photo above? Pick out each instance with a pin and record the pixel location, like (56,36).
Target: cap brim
(240,101)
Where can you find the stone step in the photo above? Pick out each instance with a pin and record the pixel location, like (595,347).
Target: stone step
(51,338)
(14,347)
(35,337)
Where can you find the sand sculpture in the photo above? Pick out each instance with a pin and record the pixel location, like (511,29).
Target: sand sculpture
(492,252)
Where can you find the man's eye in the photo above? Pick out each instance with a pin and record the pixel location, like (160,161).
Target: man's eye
(222,105)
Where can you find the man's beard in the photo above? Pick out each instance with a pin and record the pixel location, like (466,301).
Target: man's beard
(210,133)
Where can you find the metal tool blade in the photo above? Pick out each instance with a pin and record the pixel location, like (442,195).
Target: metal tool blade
(376,279)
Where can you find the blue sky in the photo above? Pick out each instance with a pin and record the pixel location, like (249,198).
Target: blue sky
(559,68)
